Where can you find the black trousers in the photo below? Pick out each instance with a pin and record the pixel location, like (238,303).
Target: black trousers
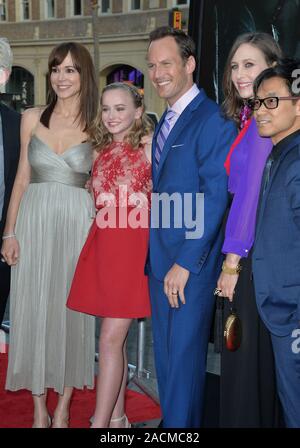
(248,395)
(4,287)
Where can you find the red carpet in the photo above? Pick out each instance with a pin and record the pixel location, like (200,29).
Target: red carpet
(16,408)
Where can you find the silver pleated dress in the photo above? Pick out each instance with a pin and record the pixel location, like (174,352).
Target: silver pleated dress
(50,345)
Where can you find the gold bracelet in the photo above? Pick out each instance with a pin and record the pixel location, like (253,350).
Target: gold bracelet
(231,271)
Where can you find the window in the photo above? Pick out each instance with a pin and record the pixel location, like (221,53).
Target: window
(153,4)
(50,9)
(21,88)
(3,10)
(77,7)
(25,10)
(135,4)
(105,6)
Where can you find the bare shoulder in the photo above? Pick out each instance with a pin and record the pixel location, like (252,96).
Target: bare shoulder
(33,113)
(31,117)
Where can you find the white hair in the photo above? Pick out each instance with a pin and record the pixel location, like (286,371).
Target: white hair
(6,56)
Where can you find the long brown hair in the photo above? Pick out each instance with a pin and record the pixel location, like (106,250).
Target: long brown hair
(88,86)
(272,53)
(142,127)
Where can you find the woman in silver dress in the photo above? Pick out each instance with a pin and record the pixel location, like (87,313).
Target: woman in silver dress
(48,220)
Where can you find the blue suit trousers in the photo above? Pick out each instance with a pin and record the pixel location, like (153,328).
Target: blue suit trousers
(287,361)
(181,339)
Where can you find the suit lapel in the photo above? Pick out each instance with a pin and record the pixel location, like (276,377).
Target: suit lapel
(176,130)
(276,166)
(180,124)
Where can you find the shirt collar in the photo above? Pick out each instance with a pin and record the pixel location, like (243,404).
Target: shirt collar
(185,100)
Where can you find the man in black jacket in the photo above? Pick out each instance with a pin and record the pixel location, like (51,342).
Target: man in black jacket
(276,250)
(9,157)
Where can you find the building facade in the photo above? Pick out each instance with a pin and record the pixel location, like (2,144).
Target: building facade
(117,30)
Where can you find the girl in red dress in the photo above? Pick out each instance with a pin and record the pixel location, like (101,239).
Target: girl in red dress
(109,280)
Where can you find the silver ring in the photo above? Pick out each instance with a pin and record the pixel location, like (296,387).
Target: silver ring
(3,260)
(217,291)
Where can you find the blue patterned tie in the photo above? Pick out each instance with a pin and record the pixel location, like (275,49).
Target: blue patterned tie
(163,135)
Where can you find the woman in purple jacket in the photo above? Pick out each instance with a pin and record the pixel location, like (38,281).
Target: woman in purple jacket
(248,393)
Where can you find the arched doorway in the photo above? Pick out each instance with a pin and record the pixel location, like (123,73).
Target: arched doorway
(20,88)
(127,73)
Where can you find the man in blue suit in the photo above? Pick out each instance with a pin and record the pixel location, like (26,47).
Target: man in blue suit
(190,197)
(276,254)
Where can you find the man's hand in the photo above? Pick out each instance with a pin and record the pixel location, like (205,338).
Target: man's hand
(174,284)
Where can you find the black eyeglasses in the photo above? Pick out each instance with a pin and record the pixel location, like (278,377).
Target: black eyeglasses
(271,102)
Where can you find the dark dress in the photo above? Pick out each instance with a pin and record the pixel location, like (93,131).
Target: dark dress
(248,396)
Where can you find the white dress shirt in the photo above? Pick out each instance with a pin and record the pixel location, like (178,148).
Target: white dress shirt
(182,103)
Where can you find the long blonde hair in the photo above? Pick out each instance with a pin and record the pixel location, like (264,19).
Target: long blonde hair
(142,127)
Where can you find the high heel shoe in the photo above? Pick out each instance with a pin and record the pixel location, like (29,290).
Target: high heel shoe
(127,424)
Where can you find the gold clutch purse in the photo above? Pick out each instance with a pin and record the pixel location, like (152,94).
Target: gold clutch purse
(233,331)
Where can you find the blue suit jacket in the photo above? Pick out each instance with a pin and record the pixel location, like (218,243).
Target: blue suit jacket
(276,254)
(192,162)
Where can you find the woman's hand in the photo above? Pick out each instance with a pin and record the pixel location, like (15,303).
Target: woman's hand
(88,185)
(10,251)
(147,139)
(227,284)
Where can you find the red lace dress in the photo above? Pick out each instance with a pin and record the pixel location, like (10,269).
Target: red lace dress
(109,280)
